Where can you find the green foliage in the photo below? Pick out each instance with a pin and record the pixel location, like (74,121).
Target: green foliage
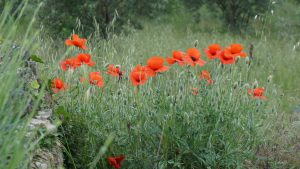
(36,58)
(237,14)
(15,144)
(62,16)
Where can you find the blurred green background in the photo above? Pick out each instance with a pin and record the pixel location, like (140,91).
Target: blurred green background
(252,17)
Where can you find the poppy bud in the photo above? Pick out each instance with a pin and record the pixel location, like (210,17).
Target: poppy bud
(237,59)
(255,84)
(247,86)
(248,61)
(196,43)
(87,94)
(235,85)
(270,78)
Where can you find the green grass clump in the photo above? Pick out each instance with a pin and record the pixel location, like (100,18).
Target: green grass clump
(15,144)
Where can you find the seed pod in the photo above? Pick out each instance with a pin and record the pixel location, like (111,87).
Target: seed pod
(237,59)
(270,78)
(246,85)
(235,85)
(255,84)
(196,43)
(248,61)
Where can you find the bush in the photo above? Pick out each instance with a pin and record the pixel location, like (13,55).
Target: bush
(62,16)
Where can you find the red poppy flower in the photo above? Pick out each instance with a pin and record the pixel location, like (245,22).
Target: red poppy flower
(116,162)
(96,79)
(176,58)
(115,71)
(193,57)
(72,63)
(77,41)
(149,72)
(58,85)
(257,93)
(85,59)
(227,58)
(156,64)
(138,76)
(213,51)
(235,50)
(206,75)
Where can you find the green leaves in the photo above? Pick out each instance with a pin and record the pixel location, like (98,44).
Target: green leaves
(61,112)
(35,85)
(36,59)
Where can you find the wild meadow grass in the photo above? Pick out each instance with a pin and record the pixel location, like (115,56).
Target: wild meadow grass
(162,124)
(16,145)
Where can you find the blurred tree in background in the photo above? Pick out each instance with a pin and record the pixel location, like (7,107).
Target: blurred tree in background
(237,14)
(61,17)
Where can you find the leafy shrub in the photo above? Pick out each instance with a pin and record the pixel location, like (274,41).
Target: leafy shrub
(62,16)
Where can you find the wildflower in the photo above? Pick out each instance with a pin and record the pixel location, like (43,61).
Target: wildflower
(213,51)
(85,59)
(226,58)
(72,63)
(149,72)
(176,57)
(96,79)
(77,41)
(116,162)
(156,64)
(115,71)
(58,85)
(138,76)
(193,57)
(235,50)
(206,75)
(257,93)
(195,91)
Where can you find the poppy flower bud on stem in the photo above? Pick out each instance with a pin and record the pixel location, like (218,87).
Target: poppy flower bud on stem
(255,84)
(251,51)
(237,59)
(196,43)
(270,78)
(248,61)
(235,85)
(247,86)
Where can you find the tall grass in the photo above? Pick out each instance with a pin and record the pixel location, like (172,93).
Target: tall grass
(15,145)
(161,124)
